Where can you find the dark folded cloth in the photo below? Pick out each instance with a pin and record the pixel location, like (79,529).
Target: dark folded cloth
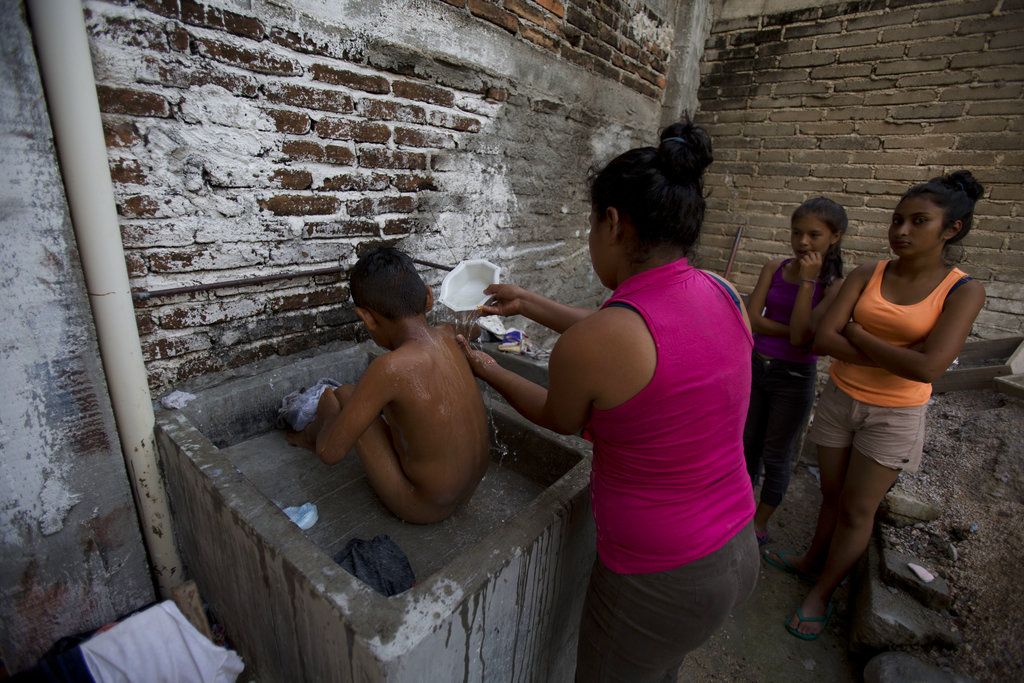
(379,563)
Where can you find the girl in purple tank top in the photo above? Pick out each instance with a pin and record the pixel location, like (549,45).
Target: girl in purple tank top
(790,297)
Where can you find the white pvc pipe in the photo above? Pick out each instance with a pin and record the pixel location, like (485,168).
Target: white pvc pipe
(62,48)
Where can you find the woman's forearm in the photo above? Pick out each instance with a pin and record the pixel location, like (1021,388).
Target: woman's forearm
(907,363)
(552,314)
(801,330)
(526,397)
(839,347)
(767,327)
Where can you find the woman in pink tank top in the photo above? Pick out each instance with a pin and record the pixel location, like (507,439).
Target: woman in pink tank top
(660,379)
(894,328)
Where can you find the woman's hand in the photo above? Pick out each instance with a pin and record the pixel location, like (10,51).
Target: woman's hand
(479,362)
(505,300)
(810,265)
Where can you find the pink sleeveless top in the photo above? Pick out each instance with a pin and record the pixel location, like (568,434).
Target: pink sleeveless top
(669,483)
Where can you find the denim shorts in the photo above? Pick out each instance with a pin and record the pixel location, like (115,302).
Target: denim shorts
(892,437)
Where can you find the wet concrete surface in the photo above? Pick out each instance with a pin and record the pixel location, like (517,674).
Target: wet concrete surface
(753,645)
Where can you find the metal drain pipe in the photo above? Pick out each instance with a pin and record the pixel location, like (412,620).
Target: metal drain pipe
(62,49)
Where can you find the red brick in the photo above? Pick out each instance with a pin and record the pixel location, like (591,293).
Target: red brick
(291,179)
(532,14)
(138,206)
(413,183)
(538,38)
(320,297)
(392,111)
(133,32)
(247,27)
(310,98)
(135,263)
(305,150)
(179,76)
(259,61)
(454,122)
(360,131)
(355,181)
(423,92)
(127,171)
(401,226)
(423,138)
(178,39)
(300,205)
(386,158)
(348,228)
(294,122)
(145,322)
(553,6)
(120,134)
(134,102)
(496,94)
(350,79)
(379,205)
(495,15)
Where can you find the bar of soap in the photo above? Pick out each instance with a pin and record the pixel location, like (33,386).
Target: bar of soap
(921,572)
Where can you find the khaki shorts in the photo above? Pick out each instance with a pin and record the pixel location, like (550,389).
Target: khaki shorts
(892,437)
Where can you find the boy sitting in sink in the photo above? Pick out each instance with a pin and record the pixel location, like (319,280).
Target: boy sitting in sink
(416,417)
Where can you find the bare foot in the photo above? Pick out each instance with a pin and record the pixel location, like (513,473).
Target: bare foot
(300,439)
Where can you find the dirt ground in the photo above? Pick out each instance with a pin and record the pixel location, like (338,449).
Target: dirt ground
(973,471)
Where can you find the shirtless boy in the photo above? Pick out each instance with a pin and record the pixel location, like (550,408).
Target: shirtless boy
(416,417)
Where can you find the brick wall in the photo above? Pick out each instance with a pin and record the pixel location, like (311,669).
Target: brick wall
(858,101)
(261,141)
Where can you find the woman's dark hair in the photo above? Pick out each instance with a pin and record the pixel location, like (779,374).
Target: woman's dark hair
(834,216)
(956,194)
(659,188)
(385,281)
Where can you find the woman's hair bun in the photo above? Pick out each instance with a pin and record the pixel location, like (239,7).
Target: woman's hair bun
(684,152)
(965,182)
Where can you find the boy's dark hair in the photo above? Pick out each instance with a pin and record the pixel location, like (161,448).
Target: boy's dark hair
(956,194)
(659,188)
(385,281)
(834,216)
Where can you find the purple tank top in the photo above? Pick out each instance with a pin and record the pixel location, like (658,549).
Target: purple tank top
(778,306)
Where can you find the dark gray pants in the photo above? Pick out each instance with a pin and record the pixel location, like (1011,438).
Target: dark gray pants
(781,395)
(639,627)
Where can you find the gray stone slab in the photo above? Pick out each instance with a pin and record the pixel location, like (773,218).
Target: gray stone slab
(900,667)
(895,572)
(1011,385)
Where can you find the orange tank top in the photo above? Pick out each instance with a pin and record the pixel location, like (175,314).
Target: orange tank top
(897,325)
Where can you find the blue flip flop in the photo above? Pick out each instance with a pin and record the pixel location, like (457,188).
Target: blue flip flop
(801,619)
(784,565)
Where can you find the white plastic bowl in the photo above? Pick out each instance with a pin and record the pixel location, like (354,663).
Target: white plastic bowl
(463,288)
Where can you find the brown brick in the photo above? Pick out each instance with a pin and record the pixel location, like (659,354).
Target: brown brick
(294,122)
(305,150)
(934,78)
(120,134)
(921,142)
(453,121)
(493,14)
(863,84)
(423,92)
(135,263)
(1003,22)
(178,39)
(1003,40)
(827,128)
(956,9)
(946,47)
(875,187)
(806,59)
(994,108)
(356,181)
(300,205)
(899,97)
(145,322)
(379,205)
(346,228)
(361,131)
(985,92)
(402,226)
(350,79)
(392,111)
(985,59)
(833,171)
(138,206)
(132,32)
(798,88)
(127,171)
(538,38)
(984,141)
(553,6)
(311,98)
(909,33)
(413,183)
(409,137)
(179,76)
(532,14)
(870,54)
(841,71)
(851,142)
(906,66)
(889,128)
(133,102)
(386,158)
(927,111)
(846,40)
(992,74)
(291,179)
(247,27)
(880,20)
(259,61)
(815,29)
(305,300)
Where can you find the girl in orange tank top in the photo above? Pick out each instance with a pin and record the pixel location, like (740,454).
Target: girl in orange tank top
(893,329)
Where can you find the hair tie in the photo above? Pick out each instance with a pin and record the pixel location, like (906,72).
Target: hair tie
(682,140)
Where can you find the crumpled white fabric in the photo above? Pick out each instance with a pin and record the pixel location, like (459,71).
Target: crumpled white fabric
(158,645)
